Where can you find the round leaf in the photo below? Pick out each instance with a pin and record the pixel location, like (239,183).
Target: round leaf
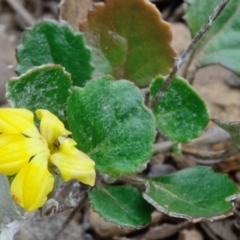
(195,193)
(45,87)
(122,205)
(181,114)
(130,40)
(52,42)
(110,123)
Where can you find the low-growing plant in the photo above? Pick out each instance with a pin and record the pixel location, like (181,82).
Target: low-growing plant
(78,98)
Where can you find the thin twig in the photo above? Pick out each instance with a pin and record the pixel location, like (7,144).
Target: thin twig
(162,147)
(135,181)
(213,135)
(209,157)
(208,231)
(188,51)
(74,211)
(25,15)
(203,157)
(185,71)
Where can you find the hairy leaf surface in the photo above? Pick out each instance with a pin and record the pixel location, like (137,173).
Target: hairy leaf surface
(122,205)
(181,114)
(45,87)
(110,123)
(52,42)
(195,193)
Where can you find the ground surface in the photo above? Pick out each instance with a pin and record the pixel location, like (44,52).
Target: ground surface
(213,85)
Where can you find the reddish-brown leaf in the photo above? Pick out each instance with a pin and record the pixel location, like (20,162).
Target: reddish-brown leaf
(129,40)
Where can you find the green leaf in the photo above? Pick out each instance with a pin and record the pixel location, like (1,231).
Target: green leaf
(52,42)
(181,114)
(110,123)
(195,193)
(220,44)
(129,40)
(45,87)
(122,205)
(8,207)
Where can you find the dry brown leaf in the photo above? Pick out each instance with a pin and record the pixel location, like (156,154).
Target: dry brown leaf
(192,234)
(73,11)
(105,229)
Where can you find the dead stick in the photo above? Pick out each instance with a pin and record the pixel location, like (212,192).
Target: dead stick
(18,7)
(209,157)
(162,147)
(188,51)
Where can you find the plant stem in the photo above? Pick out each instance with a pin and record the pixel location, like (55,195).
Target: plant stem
(134,180)
(179,61)
(162,147)
(186,66)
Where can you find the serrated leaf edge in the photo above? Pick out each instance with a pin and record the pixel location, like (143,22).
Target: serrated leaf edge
(42,67)
(20,47)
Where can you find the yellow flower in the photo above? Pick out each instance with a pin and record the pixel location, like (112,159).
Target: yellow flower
(27,152)
(68,160)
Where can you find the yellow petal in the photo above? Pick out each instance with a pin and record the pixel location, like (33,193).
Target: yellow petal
(17,120)
(73,164)
(33,183)
(16,151)
(50,126)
